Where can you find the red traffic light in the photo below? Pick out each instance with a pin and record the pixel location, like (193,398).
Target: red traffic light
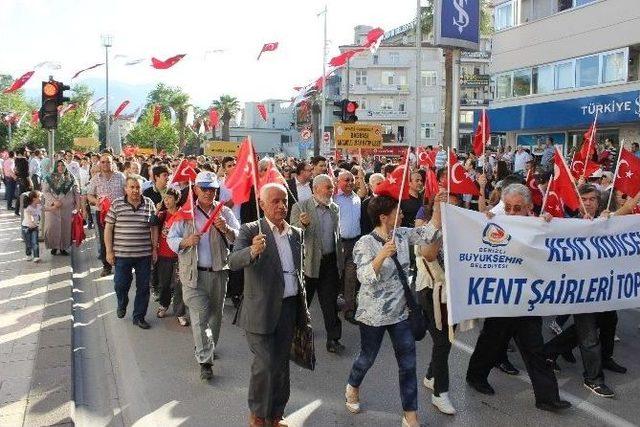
(351,107)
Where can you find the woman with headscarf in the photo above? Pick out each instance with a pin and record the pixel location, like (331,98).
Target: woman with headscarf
(61,197)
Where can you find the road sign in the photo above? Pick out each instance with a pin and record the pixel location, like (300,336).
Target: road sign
(220,148)
(355,135)
(326,136)
(305,134)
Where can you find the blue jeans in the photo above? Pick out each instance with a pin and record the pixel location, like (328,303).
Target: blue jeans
(9,192)
(404,346)
(30,237)
(122,283)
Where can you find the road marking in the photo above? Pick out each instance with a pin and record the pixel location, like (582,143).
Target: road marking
(602,415)
(298,417)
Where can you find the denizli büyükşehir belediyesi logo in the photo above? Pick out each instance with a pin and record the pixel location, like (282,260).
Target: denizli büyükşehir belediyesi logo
(494,235)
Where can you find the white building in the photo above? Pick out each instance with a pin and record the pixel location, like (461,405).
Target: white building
(383,84)
(556,63)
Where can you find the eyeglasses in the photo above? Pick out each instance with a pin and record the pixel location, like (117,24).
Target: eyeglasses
(105,161)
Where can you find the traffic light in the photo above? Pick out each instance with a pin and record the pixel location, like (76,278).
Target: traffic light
(346,111)
(52,98)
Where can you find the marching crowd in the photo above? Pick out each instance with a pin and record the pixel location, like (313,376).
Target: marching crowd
(327,227)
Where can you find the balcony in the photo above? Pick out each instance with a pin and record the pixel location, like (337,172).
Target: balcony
(377,115)
(379,89)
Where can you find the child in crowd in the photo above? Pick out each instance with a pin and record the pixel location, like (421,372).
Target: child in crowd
(31,224)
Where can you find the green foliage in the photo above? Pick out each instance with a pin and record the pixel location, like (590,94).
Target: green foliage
(174,97)
(227,106)
(144,134)
(15,102)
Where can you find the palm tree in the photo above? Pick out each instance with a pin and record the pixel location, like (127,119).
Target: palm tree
(426,23)
(176,98)
(227,106)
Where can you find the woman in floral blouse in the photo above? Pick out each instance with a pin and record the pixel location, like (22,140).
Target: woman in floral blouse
(381,303)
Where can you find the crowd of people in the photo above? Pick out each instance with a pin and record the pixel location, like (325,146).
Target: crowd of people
(323,229)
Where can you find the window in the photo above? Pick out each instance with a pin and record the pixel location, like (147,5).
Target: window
(466,117)
(503,86)
(522,82)
(386,103)
(577,3)
(394,58)
(388,78)
(428,130)
(564,75)
(587,71)
(428,104)
(361,77)
(429,78)
(375,59)
(401,79)
(362,104)
(504,15)
(272,108)
(613,67)
(401,106)
(543,79)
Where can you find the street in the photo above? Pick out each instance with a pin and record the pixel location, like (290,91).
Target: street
(126,376)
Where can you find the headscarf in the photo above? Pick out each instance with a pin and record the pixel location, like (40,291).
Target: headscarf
(60,183)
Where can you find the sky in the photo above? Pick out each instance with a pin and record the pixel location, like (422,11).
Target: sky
(69,32)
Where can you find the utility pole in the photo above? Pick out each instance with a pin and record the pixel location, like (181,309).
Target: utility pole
(107,42)
(455,97)
(324,72)
(418,72)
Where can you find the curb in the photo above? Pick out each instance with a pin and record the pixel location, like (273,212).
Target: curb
(51,395)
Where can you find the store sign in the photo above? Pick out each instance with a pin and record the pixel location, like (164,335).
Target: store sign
(475,55)
(615,108)
(383,115)
(475,80)
(220,148)
(457,24)
(355,135)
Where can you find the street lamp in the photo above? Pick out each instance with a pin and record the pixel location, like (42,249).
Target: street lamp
(107,42)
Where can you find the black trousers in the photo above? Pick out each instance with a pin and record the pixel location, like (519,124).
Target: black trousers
(103,250)
(269,386)
(527,332)
(350,286)
(327,287)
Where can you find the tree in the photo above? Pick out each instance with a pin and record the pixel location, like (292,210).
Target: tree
(144,135)
(227,106)
(176,98)
(17,103)
(426,24)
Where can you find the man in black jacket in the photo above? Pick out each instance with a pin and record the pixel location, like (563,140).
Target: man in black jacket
(22,174)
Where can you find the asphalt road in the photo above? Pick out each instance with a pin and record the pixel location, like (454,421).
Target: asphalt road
(128,376)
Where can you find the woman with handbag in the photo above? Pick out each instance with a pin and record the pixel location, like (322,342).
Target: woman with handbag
(383,303)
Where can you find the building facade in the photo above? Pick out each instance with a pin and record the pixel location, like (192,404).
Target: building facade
(556,64)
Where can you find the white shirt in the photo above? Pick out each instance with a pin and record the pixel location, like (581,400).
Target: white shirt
(286,259)
(225,196)
(304,191)
(520,161)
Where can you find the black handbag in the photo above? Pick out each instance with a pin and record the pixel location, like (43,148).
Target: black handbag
(303,352)
(417,319)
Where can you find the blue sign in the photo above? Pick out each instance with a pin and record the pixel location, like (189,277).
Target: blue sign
(457,24)
(615,108)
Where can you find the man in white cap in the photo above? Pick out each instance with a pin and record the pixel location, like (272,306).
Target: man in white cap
(203,267)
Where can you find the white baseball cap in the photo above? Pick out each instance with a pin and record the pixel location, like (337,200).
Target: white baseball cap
(207,179)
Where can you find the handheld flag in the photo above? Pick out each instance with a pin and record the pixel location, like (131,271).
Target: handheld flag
(242,178)
(482,134)
(460,182)
(207,225)
(268,47)
(390,186)
(184,172)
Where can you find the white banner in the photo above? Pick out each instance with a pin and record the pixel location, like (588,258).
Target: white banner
(513,266)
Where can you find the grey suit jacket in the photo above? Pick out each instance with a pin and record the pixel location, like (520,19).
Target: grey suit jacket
(312,236)
(263,277)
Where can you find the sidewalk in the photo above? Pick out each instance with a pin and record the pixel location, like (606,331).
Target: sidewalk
(36,323)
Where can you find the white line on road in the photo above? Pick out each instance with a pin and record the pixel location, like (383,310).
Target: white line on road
(602,415)
(300,416)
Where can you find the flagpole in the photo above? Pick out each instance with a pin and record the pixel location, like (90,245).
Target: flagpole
(546,194)
(403,182)
(484,140)
(575,187)
(448,173)
(593,134)
(255,183)
(324,73)
(615,175)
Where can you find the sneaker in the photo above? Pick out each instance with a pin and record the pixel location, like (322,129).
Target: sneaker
(428,383)
(183,320)
(29,257)
(443,403)
(36,259)
(161,312)
(599,389)
(352,399)
(555,328)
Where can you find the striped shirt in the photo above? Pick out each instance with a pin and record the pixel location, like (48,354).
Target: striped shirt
(132,227)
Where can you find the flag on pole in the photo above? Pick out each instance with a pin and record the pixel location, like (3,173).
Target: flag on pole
(156,115)
(263,111)
(340,60)
(212,218)
(390,186)
(431,187)
(19,82)
(271,176)
(424,158)
(482,135)
(268,47)
(184,172)
(120,109)
(185,212)
(532,183)
(562,190)
(627,179)
(87,69)
(241,180)
(214,118)
(460,182)
(168,63)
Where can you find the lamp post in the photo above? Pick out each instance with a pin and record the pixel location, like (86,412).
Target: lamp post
(107,43)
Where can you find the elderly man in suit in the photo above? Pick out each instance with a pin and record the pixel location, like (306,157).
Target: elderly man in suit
(323,254)
(269,251)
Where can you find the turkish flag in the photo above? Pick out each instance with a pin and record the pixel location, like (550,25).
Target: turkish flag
(77,229)
(87,69)
(562,191)
(263,111)
(35,117)
(340,60)
(578,166)
(214,118)
(588,148)
(268,47)
(431,187)
(185,172)
(482,134)
(425,158)
(104,205)
(168,63)
(460,182)
(185,212)
(243,176)
(19,82)
(536,194)
(207,225)
(271,176)
(156,115)
(391,184)
(120,109)
(628,178)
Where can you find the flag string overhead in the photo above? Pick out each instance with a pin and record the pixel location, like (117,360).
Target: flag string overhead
(168,63)
(87,69)
(19,82)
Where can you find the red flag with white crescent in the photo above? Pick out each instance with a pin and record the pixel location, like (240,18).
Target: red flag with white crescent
(168,63)
(87,69)
(185,172)
(214,118)
(390,186)
(562,191)
(424,159)
(268,47)
(340,60)
(628,173)
(19,82)
(156,115)
(263,111)
(460,182)
(185,212)
(536,194)
(120,109)
(482,134)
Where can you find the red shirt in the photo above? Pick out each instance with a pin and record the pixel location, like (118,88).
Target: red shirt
(164,250)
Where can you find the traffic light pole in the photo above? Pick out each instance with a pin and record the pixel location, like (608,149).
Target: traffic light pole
(51,136)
